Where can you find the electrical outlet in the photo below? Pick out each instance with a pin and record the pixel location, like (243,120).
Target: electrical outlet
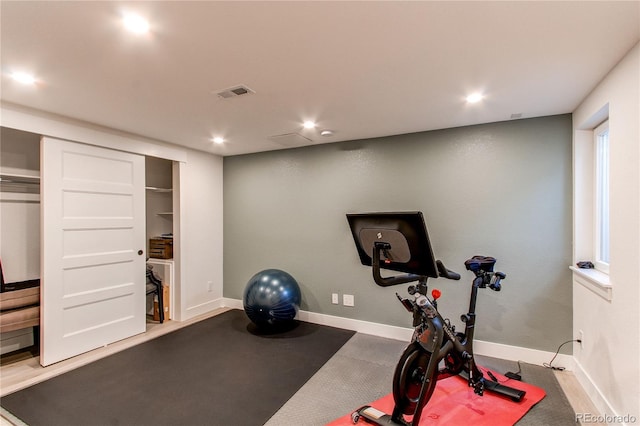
(581,337)
(209,286)
(334,299)
(348,300)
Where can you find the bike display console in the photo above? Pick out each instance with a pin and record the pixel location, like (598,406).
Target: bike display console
(409,249)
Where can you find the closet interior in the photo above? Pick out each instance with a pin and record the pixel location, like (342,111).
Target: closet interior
(19,232)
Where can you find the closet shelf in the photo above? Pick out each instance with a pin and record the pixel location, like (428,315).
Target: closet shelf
(19,179)
(23,184)
(24,197)
(165,214)
(156,189)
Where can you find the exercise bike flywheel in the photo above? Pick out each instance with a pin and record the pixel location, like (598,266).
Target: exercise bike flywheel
(408,378)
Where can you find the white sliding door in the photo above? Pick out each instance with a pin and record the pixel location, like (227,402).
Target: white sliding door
(93,241)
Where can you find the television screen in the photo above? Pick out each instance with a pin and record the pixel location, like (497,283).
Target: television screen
(405,232)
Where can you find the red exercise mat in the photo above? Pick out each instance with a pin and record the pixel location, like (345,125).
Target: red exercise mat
(454,403)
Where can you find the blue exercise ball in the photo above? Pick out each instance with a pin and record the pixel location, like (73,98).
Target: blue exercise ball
(271,298)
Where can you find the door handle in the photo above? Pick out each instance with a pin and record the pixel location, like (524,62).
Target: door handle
(140,252)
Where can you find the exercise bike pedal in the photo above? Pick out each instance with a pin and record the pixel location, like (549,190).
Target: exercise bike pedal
(374,416)
(514,394)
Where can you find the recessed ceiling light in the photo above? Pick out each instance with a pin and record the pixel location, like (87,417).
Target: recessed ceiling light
(474,97)
(309,124)
(135,23)
(23,78)
(326,133)
(218,140)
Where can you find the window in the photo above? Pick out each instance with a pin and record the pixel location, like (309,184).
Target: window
(591,198)
(601,150)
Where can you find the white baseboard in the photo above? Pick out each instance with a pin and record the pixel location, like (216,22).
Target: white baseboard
(518,353)
(203,308)
(365,327)
(496,350)
(593,392)
(231,303)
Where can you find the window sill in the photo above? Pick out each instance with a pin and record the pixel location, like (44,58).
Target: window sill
(593,280)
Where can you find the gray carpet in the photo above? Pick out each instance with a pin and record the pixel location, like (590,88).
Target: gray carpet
(554,409)
(362,371)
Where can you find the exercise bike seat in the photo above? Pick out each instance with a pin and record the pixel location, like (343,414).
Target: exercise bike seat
(480,263)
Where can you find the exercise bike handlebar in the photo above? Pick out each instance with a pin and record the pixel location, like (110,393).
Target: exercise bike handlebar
(379,247)
(446,273)
(387,281)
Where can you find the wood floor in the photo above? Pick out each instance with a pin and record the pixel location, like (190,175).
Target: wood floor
(24,373)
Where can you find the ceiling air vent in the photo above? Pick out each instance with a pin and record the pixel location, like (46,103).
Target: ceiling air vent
(234,91)
(290,140)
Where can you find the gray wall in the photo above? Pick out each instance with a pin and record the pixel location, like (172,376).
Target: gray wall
(501,189)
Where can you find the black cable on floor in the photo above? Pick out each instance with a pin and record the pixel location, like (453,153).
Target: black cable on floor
(549,364)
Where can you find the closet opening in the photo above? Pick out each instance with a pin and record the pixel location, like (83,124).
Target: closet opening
(159,231)
(19,244)
(21,247)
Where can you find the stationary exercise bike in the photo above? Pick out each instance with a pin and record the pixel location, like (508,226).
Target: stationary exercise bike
(399,242)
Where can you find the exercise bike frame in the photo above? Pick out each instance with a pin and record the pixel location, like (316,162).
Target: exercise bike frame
(435,337)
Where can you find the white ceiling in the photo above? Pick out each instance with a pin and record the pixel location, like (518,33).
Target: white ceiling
(363,69)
